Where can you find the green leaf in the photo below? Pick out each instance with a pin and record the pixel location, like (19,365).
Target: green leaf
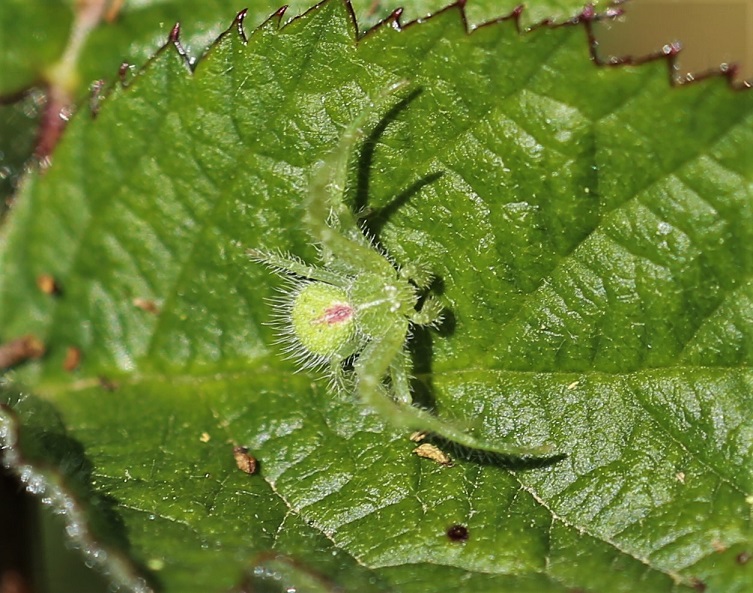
(35,34)
(198,552)
(591,230)
(18,124)
(478,12)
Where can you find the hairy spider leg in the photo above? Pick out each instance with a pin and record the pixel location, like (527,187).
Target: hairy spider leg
(340,379)
(349,247)
(382,355)
(417,272)
(430,312)
(287,265)
(400,377)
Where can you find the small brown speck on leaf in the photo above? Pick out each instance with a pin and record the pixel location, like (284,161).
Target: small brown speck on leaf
(20,350)
(457,533)
(147,305)
(743,557)
(72,359)
(48,285)
(429,451)
(107,384)
(244,460)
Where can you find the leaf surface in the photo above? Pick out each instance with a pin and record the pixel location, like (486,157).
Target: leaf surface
(36,37)
(35,34)
(591,230)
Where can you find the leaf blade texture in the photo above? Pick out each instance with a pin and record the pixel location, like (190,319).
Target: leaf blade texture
(590,228)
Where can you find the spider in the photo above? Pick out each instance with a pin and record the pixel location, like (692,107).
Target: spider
(353,313)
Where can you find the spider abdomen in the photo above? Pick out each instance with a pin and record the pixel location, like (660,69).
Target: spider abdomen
(323,321)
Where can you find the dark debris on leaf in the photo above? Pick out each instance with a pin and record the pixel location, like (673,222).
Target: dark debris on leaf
(19,350)
(48,285)
(457,533)
(246,462)
(72,359)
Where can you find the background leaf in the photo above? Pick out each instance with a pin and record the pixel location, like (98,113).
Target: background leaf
(18,124)
(591,230)
(33,36)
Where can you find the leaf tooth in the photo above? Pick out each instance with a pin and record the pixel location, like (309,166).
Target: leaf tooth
(392,20)
(174,40)
(238,24)
(174,36)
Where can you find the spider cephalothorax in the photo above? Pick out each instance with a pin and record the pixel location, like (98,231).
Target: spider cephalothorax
(357,305)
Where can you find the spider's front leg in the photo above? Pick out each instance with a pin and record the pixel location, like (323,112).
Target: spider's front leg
(329,218)
(287,264)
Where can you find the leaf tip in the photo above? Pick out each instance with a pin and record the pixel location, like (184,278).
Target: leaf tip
(174,36)
(275,18)
(174,40)
(391,20)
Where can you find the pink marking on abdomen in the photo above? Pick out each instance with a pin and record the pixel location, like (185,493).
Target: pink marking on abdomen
(337,313)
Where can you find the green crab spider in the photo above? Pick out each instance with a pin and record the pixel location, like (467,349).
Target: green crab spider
(353,313)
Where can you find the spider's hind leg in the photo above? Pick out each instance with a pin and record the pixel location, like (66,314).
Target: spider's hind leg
(382,356)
